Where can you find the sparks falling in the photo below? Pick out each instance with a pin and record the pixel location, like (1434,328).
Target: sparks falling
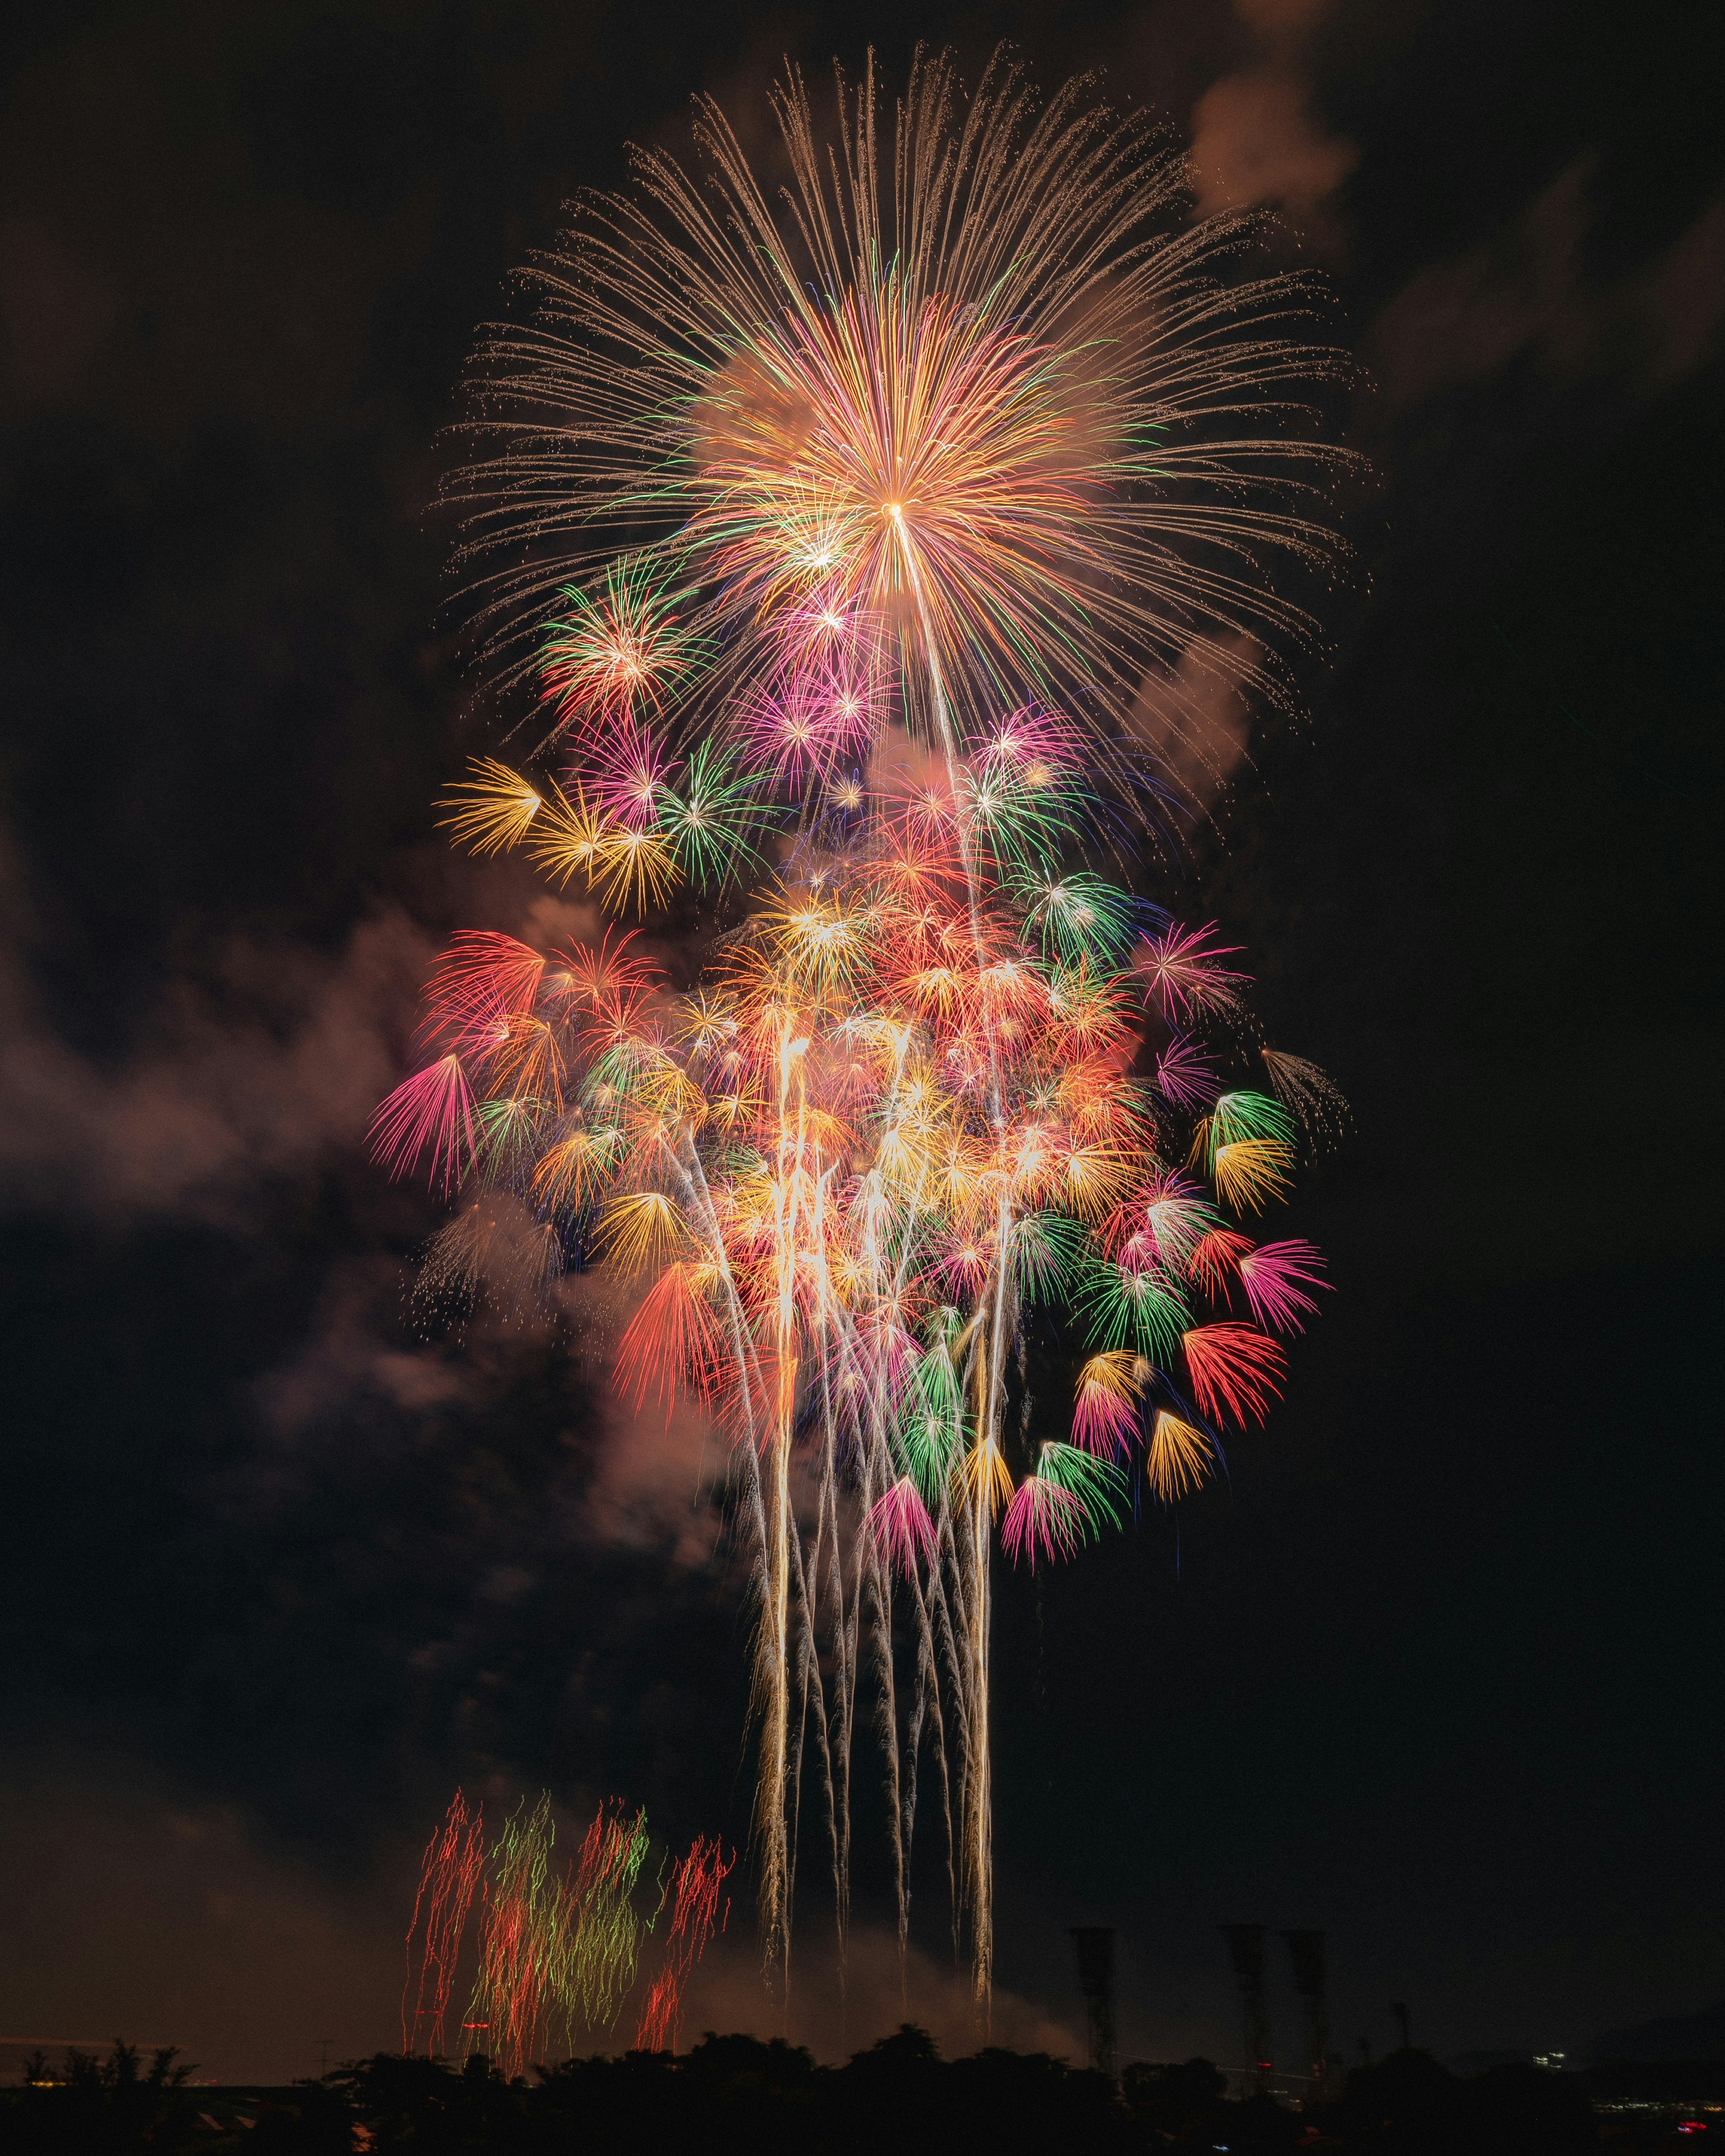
(844,540)
(557,1952)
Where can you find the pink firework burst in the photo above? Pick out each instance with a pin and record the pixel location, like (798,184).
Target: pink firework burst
(1104,1422)
(793,731)
(1039,748)
(966,1264)
(902,1528)
(1043,1521)
(1272,1277)
(430,1113)
(1184,1075)
(627,774)
(1181,970)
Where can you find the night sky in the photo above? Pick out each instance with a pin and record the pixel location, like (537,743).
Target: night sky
(1438,1669)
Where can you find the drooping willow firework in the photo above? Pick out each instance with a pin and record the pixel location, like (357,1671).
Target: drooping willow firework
(848,539)
(555,1951)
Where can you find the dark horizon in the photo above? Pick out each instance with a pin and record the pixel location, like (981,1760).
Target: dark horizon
(1432,1671)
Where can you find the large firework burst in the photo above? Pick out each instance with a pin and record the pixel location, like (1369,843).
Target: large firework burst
(844,536)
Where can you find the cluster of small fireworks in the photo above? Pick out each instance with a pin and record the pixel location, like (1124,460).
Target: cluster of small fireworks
(557,1953)
(923,492)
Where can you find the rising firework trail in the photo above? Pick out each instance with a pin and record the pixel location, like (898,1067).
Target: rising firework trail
(846,538)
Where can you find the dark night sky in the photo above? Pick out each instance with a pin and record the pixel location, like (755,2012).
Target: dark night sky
(1439,1670)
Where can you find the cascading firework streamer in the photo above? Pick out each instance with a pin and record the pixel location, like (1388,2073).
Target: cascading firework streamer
(846,538)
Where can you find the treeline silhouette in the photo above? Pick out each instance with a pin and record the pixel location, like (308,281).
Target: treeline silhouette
(737,2093)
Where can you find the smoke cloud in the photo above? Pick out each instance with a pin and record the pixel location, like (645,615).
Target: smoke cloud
(1255,142)
(268,1066)
(1526,294)
(1196,724)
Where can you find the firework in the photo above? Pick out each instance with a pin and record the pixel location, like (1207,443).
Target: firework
(555,1951)
(1308,1095)
(1275,1277)
(454,1860)
(857,528)
(523,1974)
(605,1929)
(693,1896)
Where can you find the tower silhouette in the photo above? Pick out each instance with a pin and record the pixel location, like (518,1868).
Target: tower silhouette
(1306,1951)
(1245,1950)
(1095,1948)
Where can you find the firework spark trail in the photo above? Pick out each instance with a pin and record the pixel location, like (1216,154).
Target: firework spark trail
(856,530)
(604,1931)
(695,1915)
(554,1953)
(454,1861)
(522,1945)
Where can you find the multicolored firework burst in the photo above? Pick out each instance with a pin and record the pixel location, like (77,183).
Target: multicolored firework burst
(846,537)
